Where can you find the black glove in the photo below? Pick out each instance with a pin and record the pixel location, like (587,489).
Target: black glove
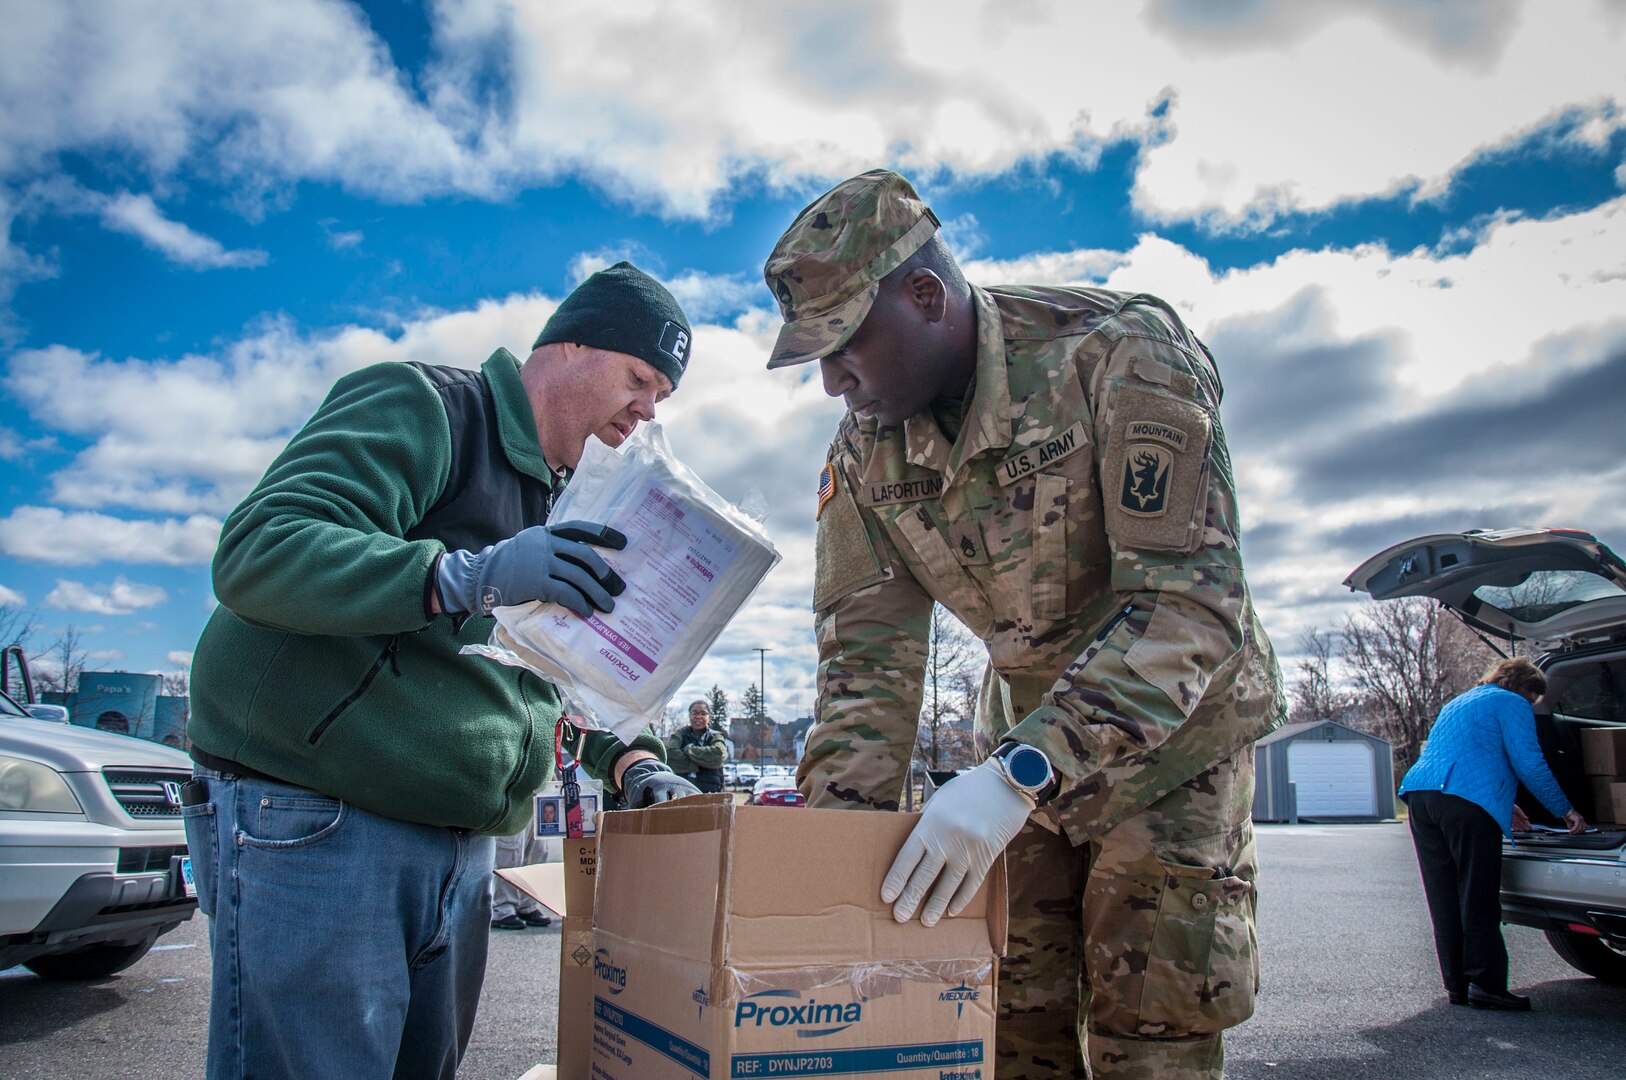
(551,563)
(647,782)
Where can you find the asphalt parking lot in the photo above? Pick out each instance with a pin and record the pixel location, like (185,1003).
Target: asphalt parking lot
(1350,990)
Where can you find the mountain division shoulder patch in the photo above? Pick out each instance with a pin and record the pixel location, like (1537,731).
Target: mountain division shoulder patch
(1155,473)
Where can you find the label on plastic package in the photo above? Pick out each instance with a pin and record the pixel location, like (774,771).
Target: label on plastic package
(678,556)
(692,560)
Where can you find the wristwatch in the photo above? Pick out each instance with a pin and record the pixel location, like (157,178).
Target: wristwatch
(1027,769)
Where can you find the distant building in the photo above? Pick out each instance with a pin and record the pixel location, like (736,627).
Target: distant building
(126,703)
(762,740)
(1323,770)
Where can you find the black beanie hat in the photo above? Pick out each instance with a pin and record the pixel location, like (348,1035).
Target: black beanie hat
(624,310)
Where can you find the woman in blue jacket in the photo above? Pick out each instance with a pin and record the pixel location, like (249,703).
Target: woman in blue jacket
(1460,797)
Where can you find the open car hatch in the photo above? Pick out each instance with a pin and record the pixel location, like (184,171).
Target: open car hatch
(1557,588)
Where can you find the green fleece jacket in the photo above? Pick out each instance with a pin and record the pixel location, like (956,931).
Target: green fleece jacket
(322,665)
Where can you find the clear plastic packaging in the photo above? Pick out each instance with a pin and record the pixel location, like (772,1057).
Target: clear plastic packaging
(691,562)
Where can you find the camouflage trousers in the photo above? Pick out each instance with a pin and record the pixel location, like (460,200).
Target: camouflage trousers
(1129,957)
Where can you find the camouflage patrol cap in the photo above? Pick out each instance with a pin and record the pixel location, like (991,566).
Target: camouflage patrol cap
(827,267)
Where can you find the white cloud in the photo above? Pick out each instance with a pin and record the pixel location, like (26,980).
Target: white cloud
(1086,265)
(271,92)
(16,264)
(1450,315)
(701,296)
(237,407)
(708,296)
(1317,349)
(140,217)
(47,535)
(122,597)
(670,105)
(179,657)
(11,598)
(340,239)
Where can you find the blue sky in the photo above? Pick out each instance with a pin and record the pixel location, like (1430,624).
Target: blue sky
(1401,228)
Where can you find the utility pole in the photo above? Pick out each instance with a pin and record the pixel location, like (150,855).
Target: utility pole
(762,701)
(762,681)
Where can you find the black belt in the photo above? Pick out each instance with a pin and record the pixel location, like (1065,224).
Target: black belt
(228,767)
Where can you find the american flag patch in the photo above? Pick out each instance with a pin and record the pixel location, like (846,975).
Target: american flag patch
(827,488)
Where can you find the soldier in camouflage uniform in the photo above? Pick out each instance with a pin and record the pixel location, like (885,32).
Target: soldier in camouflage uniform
(1047,464)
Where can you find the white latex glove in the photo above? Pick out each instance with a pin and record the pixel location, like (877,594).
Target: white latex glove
(961,832)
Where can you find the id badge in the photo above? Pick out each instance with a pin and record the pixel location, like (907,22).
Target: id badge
(555,816)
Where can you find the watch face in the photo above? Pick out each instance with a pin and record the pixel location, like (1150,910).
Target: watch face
(1028,767)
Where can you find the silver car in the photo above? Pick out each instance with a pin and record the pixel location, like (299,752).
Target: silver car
(93,864)
(1563,593)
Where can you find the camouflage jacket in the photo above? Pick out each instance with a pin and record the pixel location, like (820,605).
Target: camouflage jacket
(1083,524)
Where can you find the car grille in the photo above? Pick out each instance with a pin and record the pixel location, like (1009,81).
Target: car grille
(146,860)
(142,793)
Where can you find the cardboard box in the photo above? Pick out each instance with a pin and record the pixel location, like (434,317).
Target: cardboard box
(1603,751)
(1608,801)
(567,889)
(740,941)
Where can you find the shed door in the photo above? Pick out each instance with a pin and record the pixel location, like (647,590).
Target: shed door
(1334,779)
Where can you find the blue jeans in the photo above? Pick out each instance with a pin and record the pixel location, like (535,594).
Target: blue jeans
(344,944)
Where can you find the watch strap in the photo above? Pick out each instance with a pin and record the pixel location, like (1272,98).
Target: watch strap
(1041,794)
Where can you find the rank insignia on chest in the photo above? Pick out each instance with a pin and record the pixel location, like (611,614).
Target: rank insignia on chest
(827,488)
(966,539)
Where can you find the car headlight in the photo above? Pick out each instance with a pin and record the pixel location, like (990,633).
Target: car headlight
(28,785)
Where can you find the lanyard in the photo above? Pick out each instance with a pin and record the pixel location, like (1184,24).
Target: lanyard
(566,763)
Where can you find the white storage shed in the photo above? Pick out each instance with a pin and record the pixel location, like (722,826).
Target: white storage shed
(1336,773)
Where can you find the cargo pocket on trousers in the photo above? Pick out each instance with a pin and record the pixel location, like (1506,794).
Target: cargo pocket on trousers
(202,846)
(1200,968)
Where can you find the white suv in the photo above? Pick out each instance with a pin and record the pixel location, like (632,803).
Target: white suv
(93,861)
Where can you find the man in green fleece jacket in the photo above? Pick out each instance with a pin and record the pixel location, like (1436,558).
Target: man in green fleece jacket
(353,766)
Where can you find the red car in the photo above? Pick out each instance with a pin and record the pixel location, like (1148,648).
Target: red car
(775,791)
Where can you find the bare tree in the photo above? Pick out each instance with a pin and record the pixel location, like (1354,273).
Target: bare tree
(17,626)
(1407,659)
(61,663)
(175,684)
(674,717)
(1315,697)
(944,718)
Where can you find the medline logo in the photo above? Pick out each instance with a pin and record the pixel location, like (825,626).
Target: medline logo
(760,1009)
(960,995)
(603,969)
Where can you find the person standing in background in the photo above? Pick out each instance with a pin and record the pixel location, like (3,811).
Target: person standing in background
(511,907)
(697,751)
(1459,796)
